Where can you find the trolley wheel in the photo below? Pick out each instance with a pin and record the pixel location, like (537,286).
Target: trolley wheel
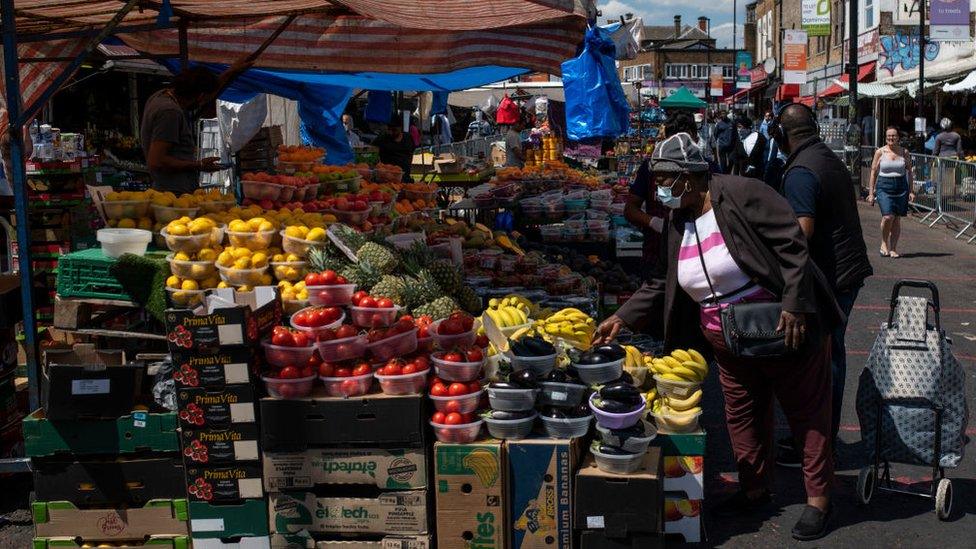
(943,499)
(867,478)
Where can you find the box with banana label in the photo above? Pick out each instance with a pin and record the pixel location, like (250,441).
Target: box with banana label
(471,496)
(541,475)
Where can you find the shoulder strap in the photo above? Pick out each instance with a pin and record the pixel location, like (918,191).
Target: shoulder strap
(701,258)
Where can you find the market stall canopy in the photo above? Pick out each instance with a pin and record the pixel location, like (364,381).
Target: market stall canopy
(873,89)
(835,88)
(967,84)
(683,99)
(474,97)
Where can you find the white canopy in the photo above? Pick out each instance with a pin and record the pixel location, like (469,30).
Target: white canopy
(964,85)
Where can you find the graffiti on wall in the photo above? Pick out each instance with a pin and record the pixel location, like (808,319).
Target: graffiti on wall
(899,52)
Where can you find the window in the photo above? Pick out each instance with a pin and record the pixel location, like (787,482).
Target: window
(728,71)
(634,73)
(867,20)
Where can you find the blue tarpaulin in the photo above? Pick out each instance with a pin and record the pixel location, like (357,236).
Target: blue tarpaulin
(596,106)
(379,106)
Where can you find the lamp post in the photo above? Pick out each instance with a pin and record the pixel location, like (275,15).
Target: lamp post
(853,129)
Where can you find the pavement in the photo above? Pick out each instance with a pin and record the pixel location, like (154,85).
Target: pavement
(891,520)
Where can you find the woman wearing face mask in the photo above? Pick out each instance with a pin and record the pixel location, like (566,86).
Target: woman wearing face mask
(734,240)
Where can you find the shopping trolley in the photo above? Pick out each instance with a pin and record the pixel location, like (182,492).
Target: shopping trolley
(911,399)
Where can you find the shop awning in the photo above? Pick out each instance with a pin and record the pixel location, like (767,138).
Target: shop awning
(965,85)
(873,89)
(807,100)
(863,72)
(742,94)
(787,91)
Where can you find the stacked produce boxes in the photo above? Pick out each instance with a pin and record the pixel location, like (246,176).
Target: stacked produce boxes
(214,356)
(106,468)
(351,468)
(683,460)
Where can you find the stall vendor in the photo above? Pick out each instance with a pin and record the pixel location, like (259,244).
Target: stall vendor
(396,147)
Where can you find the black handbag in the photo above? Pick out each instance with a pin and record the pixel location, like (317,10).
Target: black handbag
(749,329)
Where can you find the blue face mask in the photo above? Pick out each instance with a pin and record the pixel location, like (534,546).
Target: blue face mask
(665,197)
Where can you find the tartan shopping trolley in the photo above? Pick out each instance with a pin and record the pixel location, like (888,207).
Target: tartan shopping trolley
(911,399)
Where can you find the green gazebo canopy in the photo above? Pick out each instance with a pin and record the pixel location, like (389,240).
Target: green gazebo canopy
(683,99)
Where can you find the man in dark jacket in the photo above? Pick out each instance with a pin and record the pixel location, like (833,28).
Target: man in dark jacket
(818,186)
(725,140)
(749,155)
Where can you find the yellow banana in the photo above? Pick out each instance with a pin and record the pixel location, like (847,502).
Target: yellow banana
(672,377)
(681,355)
(681,405)
(700,370)
(671,361)
(686,374)
(697,357)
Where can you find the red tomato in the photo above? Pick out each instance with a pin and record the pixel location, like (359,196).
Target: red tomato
(450,326)
(329,277)
(457,389)
(313,279)
(394,368)
(326,298)
(436,380)
(438,417)
(453,356)
(301,318)
(307,371)
(474,387)
(408,318)
(474,354)
(481,340)
(327,334)
(289,372)
(331,314)
(327,369)
(409,368)
(453,418)
(300,339)
(384,303)
(341,280)
(346,331)
(314,360)
(285,339)
(423,332)
(351,387)
(361,369)
(343,371)
(452,406)
(367,302)
(421,362)
(438,390)
(358,297)
(466,321)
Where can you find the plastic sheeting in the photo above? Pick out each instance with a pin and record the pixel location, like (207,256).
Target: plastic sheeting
(596,105)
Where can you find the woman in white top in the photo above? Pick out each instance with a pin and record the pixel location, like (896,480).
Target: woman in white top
(891,185)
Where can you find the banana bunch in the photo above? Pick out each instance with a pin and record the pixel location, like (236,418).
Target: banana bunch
(681,365)
(634,357)
(677,414)
(572,325)
(650,398)
(508,311)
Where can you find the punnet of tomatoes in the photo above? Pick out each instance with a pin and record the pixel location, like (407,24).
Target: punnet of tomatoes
(315,319)
(287,346)
(425,343)
(456,426)
(346,379)
(372,311)
(294,380)
(405,376)
(397,340)
(459,364)
(457,330)
(329,289)
(342,343)
(455,396)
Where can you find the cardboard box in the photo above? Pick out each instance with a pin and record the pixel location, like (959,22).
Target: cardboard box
(680,444)
(682,516)
(9,408)
(389,513)
(595,539)
(224,483)
(229,318)
(248,518)
(85,382)
(685,474)
(541,473)
(157,518)
(620,505)
(113,482)
(299,541)
(138,431)
(215,408)
(238,442)
(396,469)
(153,542)
(226,366)
(471,498)
(262,542)
(12,440)
(369,421)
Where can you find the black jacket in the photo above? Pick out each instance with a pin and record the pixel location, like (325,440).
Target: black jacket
(837,245)
(765,241)
(753,163)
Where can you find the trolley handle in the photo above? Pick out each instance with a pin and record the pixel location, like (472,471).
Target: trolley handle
(914,283)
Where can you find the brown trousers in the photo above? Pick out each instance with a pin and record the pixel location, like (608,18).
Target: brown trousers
(802,386)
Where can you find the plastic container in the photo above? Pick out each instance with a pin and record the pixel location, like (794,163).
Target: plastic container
(617,421)
(456,371)
(511,429)
(512,400)
(406,384)
(261,190)
(242,277)
(338,350)
(372,317)
(572,427)
(193,243)
(620,465)
(600,373)
(666,422)
(260,240)
(333,326)
(125,209)
(292,306)
(541,365)
(351,218)
(462,434)
(509,330)
(165,214)
(425,344)
(392,347)
(215,206)
(403,241)
(465,403)
(637,445)
(450,341)
(281,355)
(553,393)
(347,386)
(289,388)
(185,298)
(337,295)
(116,242)
(678,389)
(297,246)
(282,270)
(194,270)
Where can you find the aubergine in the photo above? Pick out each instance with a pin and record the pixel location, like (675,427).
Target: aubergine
(557,376)
(523,379)
(624,393)
(592,359)
(636,430)
(499,414)
(610,450)
(554,412)
(626,378)
(503,385)
(611,351)
(536,346)
(582,410)
(614,406)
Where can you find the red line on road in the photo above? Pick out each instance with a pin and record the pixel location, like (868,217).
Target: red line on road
(943,309)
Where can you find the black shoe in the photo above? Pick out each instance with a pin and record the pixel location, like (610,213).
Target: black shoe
(787,456)
(740,504)
(812,524)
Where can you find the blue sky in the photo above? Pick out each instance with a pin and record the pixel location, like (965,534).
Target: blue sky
(662,12)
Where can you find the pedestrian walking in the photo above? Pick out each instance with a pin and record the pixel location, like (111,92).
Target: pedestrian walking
(725,140)
(891,185)
(749,155)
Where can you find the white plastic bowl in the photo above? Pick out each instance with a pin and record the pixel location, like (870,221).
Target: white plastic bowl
(466,403)
(335,295)
(280,270)
(510,429)
(373,317)
(289,388)
(347,386)
(678,389)
(334,325)
(116,242)
(570,427)
(620,465)
(242,277)
(195,270)
(462,434)
(282,355)
(456,371)
(541,365)
(338,350)
(405,384)
(185,298)
(392,347)
(254,241)
(125,209)
(191,244)
(450,341)
(600,373)
(297,246)
(165,214)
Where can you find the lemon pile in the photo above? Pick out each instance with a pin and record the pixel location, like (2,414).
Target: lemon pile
(145,223)
(188,292)
(288,267)
(243,267)
(293,292)
(302,232)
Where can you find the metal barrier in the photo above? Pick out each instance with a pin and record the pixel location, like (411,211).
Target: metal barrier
(479,146)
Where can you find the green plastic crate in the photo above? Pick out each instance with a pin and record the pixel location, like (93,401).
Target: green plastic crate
(125,435)
(86,274)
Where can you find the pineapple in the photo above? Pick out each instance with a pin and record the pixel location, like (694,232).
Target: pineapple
(446,275)
(324,259)
(469,300)
(437,309)
(362,274)
(427,287)
(350,238)
(379,256)
(417,256)
(392,287)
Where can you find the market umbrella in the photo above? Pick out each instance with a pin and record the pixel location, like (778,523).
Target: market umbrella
(683,99)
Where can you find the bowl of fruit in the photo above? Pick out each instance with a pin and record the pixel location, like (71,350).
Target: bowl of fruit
(516,394)
(329,289)
(510,425)
(618,405)
(601,364)
(532,353)
(341,343)
(403,376)
(291,381)
(455,396)
(397,340)
(345,380)
(287,346)
(566,421)
(373,312)
(457,330)
(459,364)
(456,427)
(315,319)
